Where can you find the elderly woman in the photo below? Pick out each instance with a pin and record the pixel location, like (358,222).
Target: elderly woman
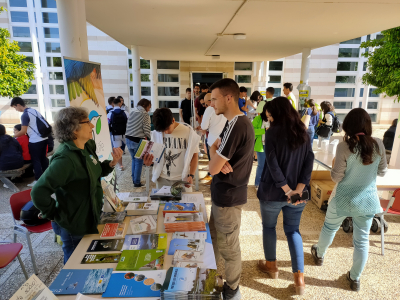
(74,177)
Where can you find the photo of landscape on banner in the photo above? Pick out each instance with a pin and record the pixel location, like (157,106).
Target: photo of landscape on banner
(85,89)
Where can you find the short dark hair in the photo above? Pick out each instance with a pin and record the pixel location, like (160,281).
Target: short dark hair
(120,97)
(111,100)
(117,100)
(196,85)
(203,86)
(326,107)
(162,119)
(144,103)
(254,96)
(243,89)
(227,86)
(394,123)
(271,90)
(188,90)
(2,130)
(17,100)
(288,85)
(18,127)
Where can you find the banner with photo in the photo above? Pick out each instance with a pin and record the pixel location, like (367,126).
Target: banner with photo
(85,89)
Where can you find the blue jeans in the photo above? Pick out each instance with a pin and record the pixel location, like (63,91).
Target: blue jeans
(38,157)
(70,241)
(261,162)
(311,133)
(137,164)
(291,220)
(361,227)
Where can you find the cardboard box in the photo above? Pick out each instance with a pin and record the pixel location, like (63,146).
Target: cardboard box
(321,188)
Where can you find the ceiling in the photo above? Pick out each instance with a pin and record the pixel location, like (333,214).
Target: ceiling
(185,29)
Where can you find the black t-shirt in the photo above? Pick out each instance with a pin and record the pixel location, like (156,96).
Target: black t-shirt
(237,146)
(186,106)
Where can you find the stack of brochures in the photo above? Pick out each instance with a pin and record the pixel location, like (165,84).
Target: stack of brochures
(180,208)
(184,222)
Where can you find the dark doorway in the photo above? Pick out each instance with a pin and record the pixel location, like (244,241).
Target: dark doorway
(207,78)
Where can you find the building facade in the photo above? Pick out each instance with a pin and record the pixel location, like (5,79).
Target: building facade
(335,70)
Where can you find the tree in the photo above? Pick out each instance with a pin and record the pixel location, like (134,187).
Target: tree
(384,63)
(16,73)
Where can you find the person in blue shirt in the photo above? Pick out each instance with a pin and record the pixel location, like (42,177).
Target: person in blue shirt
(313,112)
(242,100)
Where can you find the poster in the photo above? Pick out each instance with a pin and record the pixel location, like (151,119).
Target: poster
(85,89)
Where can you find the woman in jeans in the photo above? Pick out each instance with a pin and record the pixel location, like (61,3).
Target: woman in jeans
(287,172)
(137,128)
(313,112)
(359,159)
(329,111)
(260,124)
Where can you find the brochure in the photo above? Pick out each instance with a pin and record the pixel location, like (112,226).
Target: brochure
(188,256)
(149,147)
(193,235)
(114,230)
(186,244)
(72,282)
(111,197)
(135,209)
(33,288)
(131,197)
(144,224)
(145,241)
(181,208)
(106,245)
(189,265)
(112,217)
(164,198)
(141,260)
(101,258)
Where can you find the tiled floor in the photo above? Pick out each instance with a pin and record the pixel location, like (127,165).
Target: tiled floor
(380,280)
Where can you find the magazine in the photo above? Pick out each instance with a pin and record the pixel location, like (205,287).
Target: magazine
(188,256)
(106,245)
(181,208)
(144,224)
(141,260)
(145,241)
(112,230)
(152,148)
(33,288)
(186,244)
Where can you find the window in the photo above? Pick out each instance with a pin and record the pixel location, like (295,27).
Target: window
(144,77)
(168,78)
(56,89)
(347,65)
(343,105)
(146,91)
(361,92)
(19,16)
(144,64)
(344,92)
(168,91)
(379,36)
(31,102)
(349,52)
(54,61)
(168,104)
(341,117)
(53,48)
(21,32)
(372,94)
(32,89)
(131,91)
(50,17)
(345,79)
(18,3)
(353,41)
(277,92)
(373,118)
(360,104)
(372,105)
(276,65)
(243,66)
(365,66)
(29,59)
(368,37)
(51,33)
(25,46)
(49,4)
(243,78)
(58,102)
(274,79)
(166,64)
(55,75)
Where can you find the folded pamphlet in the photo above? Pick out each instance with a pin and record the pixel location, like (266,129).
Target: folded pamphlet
(101,258)
(152,259)
(152,148)
(106,245)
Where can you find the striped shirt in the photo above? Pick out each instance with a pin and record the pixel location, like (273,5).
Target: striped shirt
(138,125)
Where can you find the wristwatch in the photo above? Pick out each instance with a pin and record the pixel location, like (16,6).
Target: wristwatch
(191,175)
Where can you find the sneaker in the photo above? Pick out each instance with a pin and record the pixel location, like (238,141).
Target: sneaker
(208,177)
(354,284)
(229,294)
(317,260)
(32,184)
(138,184)
(5,186)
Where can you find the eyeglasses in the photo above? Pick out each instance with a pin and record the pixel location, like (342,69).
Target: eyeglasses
(87,122)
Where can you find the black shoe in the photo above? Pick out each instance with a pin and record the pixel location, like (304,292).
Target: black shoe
(138,184)
(318,261)
(230,294)
(354,284)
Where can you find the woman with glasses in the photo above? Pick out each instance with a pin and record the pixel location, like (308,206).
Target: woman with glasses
(74,177)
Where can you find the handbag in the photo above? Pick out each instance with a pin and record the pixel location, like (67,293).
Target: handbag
(324,131)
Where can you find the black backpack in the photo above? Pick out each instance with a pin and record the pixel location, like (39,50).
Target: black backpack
(118,122)
(336,125)
(42,125)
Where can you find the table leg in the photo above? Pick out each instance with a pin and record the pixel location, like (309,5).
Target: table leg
(147,179)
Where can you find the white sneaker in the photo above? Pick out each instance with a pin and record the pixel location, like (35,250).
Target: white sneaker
(32,184)
(5,186)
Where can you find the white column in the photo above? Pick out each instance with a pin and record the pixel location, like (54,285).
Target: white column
(137,92)
(266,72)
(395,157)
(154,81)
(82,26)
(305,65)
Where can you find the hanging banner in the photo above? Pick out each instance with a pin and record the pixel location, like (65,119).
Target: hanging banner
(85,89)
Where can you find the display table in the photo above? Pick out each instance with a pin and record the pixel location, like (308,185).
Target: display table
(324,159)
(74,261)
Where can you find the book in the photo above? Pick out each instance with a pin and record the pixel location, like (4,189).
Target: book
(128,197)
(184,222)
(194,235)
(114,230)
(145,241)
(152,259)
(106,245)
(112,217)
(187,256)
(164,198)
(101,258)
(180,264)
(135,284)
(72,282)
(111,197)
(152,148)
(143,224)
(186,244)
(192,198)
(181,208)
(136,209)
(33,289)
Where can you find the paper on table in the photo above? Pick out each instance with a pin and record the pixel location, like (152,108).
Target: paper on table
(129,197)
(165,190)
(192,198)
(33,288)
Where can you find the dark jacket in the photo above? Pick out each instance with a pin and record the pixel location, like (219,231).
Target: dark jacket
(283,166)
(10,153)
(74,176)
(388,138)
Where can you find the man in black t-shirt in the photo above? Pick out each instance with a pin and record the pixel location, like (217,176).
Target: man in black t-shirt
(231,163)
(186,109)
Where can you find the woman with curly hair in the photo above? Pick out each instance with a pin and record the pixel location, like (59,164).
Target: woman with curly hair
(74,177)
(287,172)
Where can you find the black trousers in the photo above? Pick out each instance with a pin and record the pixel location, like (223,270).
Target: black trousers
(38,157)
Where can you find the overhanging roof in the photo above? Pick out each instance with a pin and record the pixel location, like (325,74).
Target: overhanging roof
(185,29)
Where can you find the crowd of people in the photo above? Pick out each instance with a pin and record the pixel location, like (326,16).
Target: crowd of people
(281,137)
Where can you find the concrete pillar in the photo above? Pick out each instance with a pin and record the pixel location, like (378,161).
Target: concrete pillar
(154,81)
(395,157)
(137,92)
(305,65)
(83,30)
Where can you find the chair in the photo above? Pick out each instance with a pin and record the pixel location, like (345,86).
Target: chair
(17,202)
(8,253)
(390,207)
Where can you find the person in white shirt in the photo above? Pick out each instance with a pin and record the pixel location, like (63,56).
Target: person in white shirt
(287,90)
(269,95)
